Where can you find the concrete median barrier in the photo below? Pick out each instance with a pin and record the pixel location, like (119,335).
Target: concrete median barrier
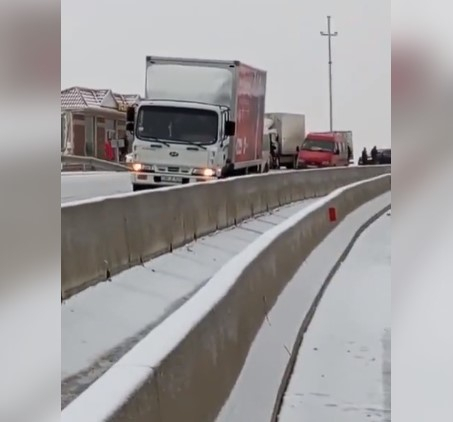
(102,237)
(187,367)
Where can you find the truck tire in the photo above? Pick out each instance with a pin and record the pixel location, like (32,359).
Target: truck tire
(227,170)
(138,188)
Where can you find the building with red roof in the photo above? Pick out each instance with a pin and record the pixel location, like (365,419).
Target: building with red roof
(92,117)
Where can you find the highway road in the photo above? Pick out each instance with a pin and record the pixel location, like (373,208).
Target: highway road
(85,185)
(342,372)
(77,186)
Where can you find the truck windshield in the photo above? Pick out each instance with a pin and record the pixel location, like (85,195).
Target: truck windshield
(316,145)
(179,124)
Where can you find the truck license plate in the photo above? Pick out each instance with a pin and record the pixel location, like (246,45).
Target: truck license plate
(171,179)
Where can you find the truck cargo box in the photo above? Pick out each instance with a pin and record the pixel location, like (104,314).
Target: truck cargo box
(232,84)
(251,92)
(291,130)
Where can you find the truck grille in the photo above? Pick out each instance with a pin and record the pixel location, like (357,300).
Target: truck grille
(172,169)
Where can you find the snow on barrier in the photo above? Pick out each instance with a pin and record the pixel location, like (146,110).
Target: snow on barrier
(186,368)
(102,237)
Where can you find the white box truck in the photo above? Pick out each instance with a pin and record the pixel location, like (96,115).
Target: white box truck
(199,120)
(288,131)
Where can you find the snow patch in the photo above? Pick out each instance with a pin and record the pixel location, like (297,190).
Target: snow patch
(253,397)
(342,373)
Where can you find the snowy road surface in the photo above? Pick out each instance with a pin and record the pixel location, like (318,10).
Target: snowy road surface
(86,185)
(76,186)
(342,372)
(103,322)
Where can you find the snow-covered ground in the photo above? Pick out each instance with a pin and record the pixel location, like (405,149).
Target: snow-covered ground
(103,322)
(254,394)
(342,371)
(85,185)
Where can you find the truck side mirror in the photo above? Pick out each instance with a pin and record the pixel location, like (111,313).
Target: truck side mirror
(230,128)
(297,149)
(130,127)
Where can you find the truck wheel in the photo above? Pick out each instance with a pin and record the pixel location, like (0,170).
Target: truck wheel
(227,171)
(137,188)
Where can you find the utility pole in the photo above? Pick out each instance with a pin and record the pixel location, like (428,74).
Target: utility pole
(329,36)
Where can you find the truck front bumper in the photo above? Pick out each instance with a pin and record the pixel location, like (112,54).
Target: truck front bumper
(312,165)
(165,179)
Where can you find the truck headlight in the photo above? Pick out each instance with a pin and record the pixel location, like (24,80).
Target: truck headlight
(209,173)
(206,172)
(141,167)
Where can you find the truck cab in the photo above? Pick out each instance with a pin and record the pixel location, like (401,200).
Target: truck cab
(323,150)
(177,142)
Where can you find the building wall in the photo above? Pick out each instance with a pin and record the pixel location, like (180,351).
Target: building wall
(66,145)
(100,137)
(99,123)
(78,130)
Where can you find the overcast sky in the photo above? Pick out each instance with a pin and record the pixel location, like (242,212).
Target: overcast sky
(104,44)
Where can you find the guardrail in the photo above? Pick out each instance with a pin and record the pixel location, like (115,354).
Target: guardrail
(103,237)
(78,163)
(186,368)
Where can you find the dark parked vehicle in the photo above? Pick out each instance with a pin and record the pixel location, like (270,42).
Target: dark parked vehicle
(384,156)
(361,163)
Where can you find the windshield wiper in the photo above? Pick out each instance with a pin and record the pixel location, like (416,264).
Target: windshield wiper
(153,138)
(184,141)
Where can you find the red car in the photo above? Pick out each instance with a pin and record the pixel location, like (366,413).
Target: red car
(327,149)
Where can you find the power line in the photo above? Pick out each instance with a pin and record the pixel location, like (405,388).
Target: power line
(329,34)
